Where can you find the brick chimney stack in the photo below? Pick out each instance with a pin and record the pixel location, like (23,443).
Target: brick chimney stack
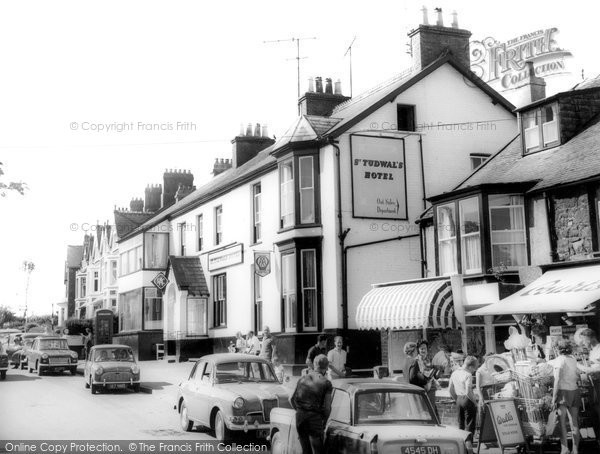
(220,166)
(317,102)
(172,179)
(537,85)
(136,205)
(183,191)
(153,195)
(428,42)
(248,146)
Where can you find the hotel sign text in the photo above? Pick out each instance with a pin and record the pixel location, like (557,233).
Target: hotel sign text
(223,258)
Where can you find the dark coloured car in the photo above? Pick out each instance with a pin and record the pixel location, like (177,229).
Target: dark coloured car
(111,366)
(3,362)
(51,354)
(375,416)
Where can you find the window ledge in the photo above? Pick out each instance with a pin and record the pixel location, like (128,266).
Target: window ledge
(217,327)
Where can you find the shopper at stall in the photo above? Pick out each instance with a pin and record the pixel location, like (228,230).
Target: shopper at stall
(587,339)
(441,360)
(566,395)
(410,351)
(483,377)
(422,373)
(457,359)
(461,390)
(540,350)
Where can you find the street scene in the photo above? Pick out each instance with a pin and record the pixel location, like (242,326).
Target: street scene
(234,228)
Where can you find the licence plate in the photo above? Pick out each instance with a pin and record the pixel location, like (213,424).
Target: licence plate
(262,433)
(421,450)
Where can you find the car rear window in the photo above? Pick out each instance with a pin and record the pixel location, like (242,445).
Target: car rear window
(113,354)
(246,371)
(53,344)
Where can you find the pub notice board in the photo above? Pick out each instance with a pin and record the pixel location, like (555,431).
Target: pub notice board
(501,424)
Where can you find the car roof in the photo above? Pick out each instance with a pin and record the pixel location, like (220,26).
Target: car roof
(231,357)
(352,385)
(52,337)
(100,346)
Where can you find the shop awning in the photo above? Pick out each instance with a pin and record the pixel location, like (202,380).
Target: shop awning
(565,290)
(410,305)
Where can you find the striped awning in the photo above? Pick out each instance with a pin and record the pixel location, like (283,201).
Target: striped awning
(410,305)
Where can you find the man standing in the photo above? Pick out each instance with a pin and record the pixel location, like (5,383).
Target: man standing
(461,390)
(337,359)
(267,349)
(252,344)
(311,402)
(319,349)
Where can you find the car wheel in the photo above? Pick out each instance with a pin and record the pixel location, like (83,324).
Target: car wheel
(221,431)
(30,369)
(136,387)
(185,422)
(93,388)
(277,446)
(87,383)
(40,372)
(2,374)
(73,371)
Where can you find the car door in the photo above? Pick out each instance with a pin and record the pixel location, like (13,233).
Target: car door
(189,389)
(337,428)
(29,352)
(205,393)
(89,361)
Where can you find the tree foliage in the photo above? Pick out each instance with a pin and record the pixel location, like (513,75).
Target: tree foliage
(11,186)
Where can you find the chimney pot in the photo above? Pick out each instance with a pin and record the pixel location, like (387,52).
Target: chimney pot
(425,15)
(454,19)
(257,130)
(319,84)
(440,18)
(265,132)
(311,85)
(249,130)
(241,129)
(338,87)
(328,86)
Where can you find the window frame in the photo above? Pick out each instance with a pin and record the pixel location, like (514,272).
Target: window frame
(483,157)
(258,302)
(148,238)
(256,213)
(292,181)
(146,291)
(524,230)
(314,288)
(219,318)
(412,108)
(538,115)
(200,230)
(181,227)
(218,225)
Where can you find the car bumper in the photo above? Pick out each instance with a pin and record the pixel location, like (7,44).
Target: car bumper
(111,382)
(250,427)
(57,366)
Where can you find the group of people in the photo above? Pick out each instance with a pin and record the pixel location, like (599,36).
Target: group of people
(252,345)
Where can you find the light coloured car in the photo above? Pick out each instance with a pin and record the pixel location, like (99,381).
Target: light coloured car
(3,362)
(375,416)
(111,366)
(49,353)
(230,393)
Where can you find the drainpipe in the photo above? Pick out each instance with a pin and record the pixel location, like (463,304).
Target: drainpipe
(421,229)
(341,235)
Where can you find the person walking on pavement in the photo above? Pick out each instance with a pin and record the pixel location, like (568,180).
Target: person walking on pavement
(337,359)
(319,349)
(252,344)
(88,341)
(311,400)
(461,390)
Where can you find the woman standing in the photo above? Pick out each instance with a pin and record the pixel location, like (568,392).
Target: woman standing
(566,395)
(421,372)
(410,350)
(240,343)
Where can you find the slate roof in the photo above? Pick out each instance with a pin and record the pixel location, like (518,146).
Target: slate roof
(74,256)
(188,275)
(576,160)
(127,221)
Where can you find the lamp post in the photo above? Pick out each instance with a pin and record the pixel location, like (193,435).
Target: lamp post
(28,267)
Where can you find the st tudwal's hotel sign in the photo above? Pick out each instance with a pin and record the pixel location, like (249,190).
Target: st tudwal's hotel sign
(503,65)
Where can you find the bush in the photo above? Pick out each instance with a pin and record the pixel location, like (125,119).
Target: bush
(77,326)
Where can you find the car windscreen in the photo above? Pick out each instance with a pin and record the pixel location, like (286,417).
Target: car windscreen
(245,371)
(113,354)
(53,344)
(373,407)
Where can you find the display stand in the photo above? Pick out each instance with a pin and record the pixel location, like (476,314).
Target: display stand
(501,425)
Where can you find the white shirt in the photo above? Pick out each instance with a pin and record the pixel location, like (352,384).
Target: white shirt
(461,382)
(253,345)
(567,372)
(337,359)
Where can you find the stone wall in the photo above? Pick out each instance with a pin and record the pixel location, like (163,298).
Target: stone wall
(572,224)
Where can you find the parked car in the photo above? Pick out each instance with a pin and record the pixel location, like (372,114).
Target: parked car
(370,415)
(21,344)
(51,353)
(3,362)
(230,393)
(110,366)
(5,334)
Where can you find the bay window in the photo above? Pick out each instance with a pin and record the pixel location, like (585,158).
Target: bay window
(307,190)
(446,229)
(130,310)
(309,288)
(156,250)
(286,178)
(288,289)
(470,236)
(507,230)
(152,308)
(298,191)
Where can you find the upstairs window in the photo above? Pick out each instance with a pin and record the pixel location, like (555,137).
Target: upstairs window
(156,250)
(218,225)
(470,235)
(540,128)
(507,231)
(96,281)
(477,159)
(200,229)
(256,213)
(182,228)
(406,118)
(299,191)
(446,229)
(286,179)
(307,190)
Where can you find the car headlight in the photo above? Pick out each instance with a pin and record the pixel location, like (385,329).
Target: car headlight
(73,355)
(99,370)
(239,403)
(45,356)
(135,369)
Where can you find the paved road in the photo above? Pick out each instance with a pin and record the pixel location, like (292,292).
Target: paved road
(55,407)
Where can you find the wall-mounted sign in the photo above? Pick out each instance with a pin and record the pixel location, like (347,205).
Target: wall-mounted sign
(160,281)
(262,263)
(223,258)
(502,65)
(378,177)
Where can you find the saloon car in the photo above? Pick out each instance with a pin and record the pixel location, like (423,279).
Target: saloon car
(111,366)
(374,416)
(50,353)
(230,393)
(21,345)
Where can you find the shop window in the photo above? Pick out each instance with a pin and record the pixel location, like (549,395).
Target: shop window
(152,308)
(288,287)
(218,225)
(196,317)
(130,310)
(406,118)
(470,235)
(219,300)
(156,250)
(256,213)
(540,128)
(286,181)
(446,230)
(507,231)
(200,229)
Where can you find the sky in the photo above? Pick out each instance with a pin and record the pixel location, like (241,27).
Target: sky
(84,84)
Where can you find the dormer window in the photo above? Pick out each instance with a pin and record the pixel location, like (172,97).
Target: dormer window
(540,128)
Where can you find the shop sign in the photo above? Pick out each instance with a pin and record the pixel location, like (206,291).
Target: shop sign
(566,331)
(378,177)
(160,281)
(501,424)
(223,258)
(503,66)
(262,263)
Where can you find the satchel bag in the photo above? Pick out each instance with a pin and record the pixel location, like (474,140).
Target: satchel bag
(552,424)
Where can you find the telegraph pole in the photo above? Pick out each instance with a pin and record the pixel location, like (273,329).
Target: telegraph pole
(349,52)
(298,58)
